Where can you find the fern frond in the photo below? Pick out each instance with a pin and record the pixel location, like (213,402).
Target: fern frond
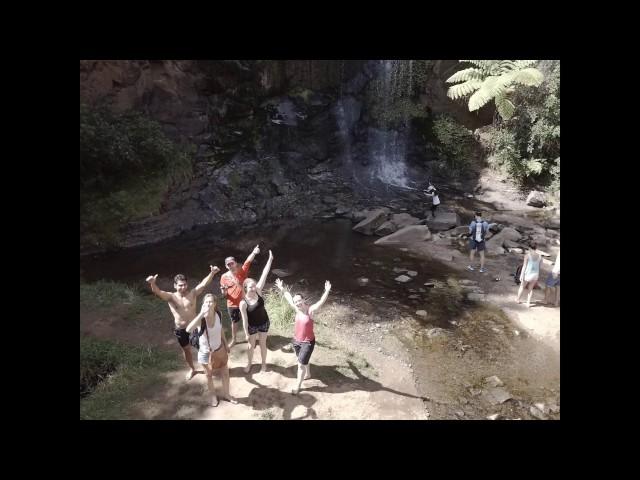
(505,107)
(465,75)
(482,64)
(534,165)
(463,89)
(484,94)
(531,77)
(520,64)
(506,66)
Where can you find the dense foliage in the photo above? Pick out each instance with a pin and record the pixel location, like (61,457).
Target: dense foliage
(527,146)
(127,165)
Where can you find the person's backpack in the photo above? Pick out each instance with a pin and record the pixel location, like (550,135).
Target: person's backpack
(194,338)
(517,275)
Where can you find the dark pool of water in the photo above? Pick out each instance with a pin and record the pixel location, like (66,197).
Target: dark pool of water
(313,251)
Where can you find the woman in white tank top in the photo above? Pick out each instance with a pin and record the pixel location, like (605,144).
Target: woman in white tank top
(213,352)
(530,273)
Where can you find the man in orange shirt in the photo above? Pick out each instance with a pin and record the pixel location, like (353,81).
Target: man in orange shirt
(231,287)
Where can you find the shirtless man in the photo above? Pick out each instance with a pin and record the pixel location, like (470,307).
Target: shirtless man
(182,304)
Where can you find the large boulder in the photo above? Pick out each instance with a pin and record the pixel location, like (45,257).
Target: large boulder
(409,234)
(536,199)
(541,240)
(401,220)
(462,230)
(445,220)
(386,228)
(553,222)
(495,243)
(372,221)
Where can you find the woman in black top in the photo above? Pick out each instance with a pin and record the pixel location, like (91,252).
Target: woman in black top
(255,316)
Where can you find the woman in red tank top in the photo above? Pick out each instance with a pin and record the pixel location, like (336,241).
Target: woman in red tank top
(304,340)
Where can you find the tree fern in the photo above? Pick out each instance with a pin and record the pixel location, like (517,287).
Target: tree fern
(465,75)
(493,80)
(531,77)
(504,106)
(525,63)
(483,64)
(464,89)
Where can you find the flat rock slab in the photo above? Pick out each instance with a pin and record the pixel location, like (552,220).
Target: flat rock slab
(497,396)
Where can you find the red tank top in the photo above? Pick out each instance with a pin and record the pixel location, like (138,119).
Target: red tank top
(304,328)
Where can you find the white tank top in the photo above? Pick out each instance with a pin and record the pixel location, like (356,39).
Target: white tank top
(215,337)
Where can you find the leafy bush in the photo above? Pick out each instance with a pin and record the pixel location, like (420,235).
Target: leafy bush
(127,165)
(455,144)
(527,146)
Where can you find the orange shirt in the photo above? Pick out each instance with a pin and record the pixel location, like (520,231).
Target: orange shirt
(235,291)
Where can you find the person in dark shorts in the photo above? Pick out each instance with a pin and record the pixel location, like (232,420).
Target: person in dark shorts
(255,317)
(231,288)
(304,339)
(477,231)
(182,304)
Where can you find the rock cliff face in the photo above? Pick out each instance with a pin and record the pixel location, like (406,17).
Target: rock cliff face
(270,136)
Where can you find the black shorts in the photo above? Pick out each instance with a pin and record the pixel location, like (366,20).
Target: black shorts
(304,350)
(182,336)
(234,314)
(474,244)
(264,328)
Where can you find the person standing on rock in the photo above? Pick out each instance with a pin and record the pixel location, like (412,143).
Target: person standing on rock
(477,230)
(553,282)
(231,288)
(213,351)
(182,304)
(435,201)
(304,340)
(255,316)
(530,273)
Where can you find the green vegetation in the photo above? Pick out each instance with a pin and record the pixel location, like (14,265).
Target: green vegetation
(525,141)
(112,375)
(393,100)
(493,80)
(281,315)
(127,165)
(527,146)
(455,144)
(135,303)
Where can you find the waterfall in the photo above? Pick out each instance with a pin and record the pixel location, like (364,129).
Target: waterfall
(388,145)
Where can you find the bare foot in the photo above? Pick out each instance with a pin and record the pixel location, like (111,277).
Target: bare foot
(247,369)
(214,401)
(190,375)
(231,399)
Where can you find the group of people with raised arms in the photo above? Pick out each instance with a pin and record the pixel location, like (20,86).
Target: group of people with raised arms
(244,302)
